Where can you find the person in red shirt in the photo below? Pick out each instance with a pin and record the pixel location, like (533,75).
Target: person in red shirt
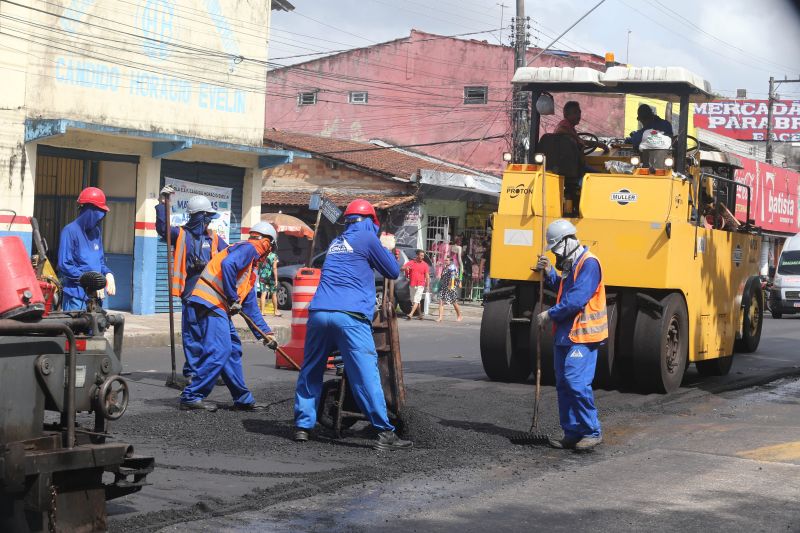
(418,273)
(572,117)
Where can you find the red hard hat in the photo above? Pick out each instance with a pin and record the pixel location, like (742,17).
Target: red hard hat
(363,208)
(93,196)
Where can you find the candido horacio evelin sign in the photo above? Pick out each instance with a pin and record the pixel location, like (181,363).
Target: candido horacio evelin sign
(746,120)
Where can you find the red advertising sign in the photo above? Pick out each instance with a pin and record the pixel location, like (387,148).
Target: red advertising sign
(746,120)
(774,196)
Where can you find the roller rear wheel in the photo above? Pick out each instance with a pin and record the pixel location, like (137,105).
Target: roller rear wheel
(505,346)
(661,345)
(715,367)
(752,317)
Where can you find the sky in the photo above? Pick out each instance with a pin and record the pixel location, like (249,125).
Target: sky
(734,44)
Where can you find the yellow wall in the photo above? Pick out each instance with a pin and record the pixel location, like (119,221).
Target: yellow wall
(633,102)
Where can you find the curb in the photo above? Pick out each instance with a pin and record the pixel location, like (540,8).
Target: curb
(161,339)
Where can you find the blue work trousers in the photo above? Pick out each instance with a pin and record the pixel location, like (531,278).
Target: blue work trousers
(574,366)
(72,303)
(192,338)
(221,354)
(328,331)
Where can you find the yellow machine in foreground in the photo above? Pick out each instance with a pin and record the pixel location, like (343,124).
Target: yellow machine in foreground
(681,273)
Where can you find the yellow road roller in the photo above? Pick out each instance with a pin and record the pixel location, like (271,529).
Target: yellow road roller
(671,227)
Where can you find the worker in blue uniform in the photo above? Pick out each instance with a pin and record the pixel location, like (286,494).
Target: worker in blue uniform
(80,249)
(194,245)
(650,121)
(340,318)
(225,288)
(580,320)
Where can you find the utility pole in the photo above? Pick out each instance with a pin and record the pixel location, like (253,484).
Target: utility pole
(628,49)
(773,85)
(519,109)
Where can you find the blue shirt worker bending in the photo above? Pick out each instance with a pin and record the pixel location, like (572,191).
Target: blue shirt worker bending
(581,325)
(227,287)
(340,318)
(194,244)
(80,249)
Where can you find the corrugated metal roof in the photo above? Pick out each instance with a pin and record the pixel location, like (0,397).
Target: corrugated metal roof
(377,159)
(295,198)
(744,149)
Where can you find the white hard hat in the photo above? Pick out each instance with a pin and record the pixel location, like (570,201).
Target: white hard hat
(545,105)
(266,229)
(557,230)
(199,204)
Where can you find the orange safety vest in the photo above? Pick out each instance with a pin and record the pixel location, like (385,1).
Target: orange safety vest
(591,324)
(178,281)
(210,286)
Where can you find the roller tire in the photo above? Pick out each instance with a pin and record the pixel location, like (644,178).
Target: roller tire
(505,352)
(715,367)
(752,317)
(548,368)
(661,346)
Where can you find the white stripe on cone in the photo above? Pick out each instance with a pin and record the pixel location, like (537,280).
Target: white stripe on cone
(299,320)
(300,305)
(304,290)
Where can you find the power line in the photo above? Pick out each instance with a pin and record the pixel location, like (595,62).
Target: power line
(412,145)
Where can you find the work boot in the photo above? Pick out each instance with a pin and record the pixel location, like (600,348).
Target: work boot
(388,440)
(250,406)
(587,443)
(199,405)
(300,435)
(564,443)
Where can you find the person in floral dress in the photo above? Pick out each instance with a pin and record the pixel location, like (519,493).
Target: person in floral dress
(448,289)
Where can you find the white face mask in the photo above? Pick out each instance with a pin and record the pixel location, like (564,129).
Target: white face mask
(566,252)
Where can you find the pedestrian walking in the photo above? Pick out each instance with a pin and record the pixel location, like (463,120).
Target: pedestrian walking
(448,289)
(80,249)
(227,287)
(340,318)
(581,326)
(268,282)
(194,245)
(419,276)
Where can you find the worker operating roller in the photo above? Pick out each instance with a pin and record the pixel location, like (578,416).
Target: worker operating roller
(580,326)
(340,317)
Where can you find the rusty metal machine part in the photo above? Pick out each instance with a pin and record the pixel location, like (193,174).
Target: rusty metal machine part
(51,472)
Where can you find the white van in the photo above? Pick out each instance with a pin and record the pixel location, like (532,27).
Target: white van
(784,298)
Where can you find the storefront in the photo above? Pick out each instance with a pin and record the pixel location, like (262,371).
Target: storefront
(131,167)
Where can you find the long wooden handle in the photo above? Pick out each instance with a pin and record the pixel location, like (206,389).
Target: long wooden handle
(535,421)
(170,271)
(252,324)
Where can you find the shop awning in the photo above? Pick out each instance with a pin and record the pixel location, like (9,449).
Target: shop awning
(455,186)
(163,144)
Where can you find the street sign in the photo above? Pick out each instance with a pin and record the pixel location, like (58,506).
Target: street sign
(314,201)
(330,210)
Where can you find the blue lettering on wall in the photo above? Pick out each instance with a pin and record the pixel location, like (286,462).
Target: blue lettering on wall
(76,11)
(143,84)
(156,21)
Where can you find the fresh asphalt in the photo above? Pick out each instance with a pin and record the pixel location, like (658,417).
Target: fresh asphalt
(720,454)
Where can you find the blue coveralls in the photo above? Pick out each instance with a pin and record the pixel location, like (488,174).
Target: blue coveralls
(198,245)
(217,336)
(80,250)
(340,317)
(574,363)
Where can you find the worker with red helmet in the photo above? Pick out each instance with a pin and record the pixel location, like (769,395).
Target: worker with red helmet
(80,249)
(340,318)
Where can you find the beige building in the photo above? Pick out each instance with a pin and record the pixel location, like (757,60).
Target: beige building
(123,95)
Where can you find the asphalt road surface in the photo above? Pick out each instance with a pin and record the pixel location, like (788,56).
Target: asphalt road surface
(721,454)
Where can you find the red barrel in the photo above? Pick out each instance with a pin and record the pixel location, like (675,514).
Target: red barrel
(306,282)
(20,294)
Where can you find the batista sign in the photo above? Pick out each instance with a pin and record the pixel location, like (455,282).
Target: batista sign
(746,120)
(774,196)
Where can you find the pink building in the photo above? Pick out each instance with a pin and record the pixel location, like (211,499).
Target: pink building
(421,89)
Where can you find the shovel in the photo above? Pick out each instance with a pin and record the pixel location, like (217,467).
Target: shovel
(172,381)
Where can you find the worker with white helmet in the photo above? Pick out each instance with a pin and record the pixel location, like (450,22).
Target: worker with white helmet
(227,287)
(194,244)
(581,326)
(80,249)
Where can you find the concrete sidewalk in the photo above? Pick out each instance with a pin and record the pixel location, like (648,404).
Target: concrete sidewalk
(152,331)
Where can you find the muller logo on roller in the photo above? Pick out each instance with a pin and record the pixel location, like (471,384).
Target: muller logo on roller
(624,197)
